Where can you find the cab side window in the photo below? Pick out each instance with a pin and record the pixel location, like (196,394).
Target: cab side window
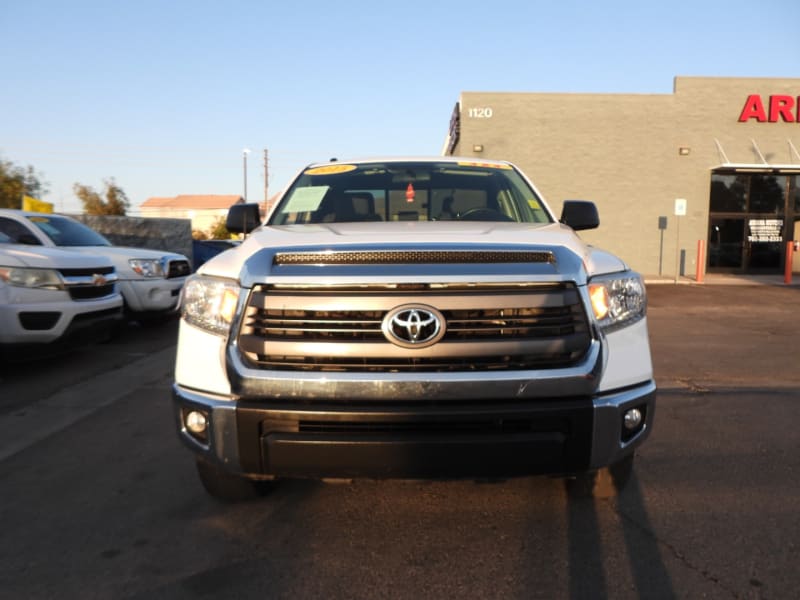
(17,234)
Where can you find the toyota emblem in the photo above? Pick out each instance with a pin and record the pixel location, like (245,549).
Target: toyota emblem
(413,326)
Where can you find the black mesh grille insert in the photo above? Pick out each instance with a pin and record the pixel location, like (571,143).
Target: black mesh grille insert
(399,257)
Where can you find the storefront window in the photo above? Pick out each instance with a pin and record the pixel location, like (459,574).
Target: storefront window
(728,193)
(767,193)
(748,220)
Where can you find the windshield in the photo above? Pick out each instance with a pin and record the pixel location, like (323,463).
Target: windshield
(410,191)
(66,232)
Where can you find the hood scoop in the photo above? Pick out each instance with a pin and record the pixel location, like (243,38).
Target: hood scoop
(412,257)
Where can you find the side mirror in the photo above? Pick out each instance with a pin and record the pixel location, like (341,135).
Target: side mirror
(243,218)
(580,214)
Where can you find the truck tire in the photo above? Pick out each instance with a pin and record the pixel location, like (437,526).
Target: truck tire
(621,472)
(229,487)
(582,485)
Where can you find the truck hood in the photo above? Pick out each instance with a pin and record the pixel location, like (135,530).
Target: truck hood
(40,257)
(253,260)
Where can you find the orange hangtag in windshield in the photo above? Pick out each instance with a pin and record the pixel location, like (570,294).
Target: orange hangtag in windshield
(410,193)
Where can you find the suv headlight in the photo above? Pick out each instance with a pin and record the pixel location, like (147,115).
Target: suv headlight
(210,303)
(618,300)
(147,267)
(32,278)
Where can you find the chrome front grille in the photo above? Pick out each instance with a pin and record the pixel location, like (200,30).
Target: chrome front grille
(89,284)
(492,327)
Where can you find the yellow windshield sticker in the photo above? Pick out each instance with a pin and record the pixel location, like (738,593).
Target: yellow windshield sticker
(534,204)
(330,170)
(39,219)
(484,165)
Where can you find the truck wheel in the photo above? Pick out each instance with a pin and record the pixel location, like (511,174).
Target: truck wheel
(621,472)
(229,487)
(581,485)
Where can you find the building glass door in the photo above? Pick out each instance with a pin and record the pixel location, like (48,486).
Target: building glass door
(752,216)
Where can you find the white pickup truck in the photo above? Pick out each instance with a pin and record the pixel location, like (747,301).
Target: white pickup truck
(412,318)
(50,297)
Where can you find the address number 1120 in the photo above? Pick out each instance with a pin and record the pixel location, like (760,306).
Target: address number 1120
(480,112)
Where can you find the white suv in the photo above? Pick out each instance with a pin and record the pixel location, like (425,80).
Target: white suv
(50,296)
(150,281)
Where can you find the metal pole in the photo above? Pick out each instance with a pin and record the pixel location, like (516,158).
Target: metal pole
(266,178)
(677,248)
(700,272)
(244,164)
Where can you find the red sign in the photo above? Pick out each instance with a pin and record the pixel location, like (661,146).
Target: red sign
(777,108)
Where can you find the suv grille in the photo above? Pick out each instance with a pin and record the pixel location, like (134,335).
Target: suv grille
(488,327)
(178,268)
(84,284)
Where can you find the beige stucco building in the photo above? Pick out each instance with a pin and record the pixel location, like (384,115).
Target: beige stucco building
(204,210)
(722,150)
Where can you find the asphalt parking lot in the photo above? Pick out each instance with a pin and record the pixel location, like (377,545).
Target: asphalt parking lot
(106,504)
(725,337)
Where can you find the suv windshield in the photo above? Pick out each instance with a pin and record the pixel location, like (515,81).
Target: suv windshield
(66,232)
(410,191)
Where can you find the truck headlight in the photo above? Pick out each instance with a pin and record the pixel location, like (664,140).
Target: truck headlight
(147,267)
(210,303)
(32,278)
(618,300)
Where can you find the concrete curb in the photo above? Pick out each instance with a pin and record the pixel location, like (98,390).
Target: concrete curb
(755,280)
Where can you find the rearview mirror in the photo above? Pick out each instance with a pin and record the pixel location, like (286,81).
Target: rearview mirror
(243,218)
(580,214)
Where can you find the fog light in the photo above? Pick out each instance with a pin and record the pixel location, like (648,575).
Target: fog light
(633,419)
(197,423)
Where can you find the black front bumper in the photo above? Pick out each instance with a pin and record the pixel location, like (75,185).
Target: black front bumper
(404,441)
(424,443)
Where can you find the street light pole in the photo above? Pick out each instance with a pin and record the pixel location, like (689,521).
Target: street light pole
(245,152)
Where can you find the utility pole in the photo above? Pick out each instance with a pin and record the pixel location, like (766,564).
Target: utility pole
(245,152)
(266,178)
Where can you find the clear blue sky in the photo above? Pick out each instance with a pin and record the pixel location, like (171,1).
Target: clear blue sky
(164,95)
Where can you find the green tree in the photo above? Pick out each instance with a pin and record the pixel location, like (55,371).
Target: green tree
(16,182)
(112,201)
(218,230)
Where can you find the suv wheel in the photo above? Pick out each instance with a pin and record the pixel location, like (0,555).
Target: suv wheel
(229,487)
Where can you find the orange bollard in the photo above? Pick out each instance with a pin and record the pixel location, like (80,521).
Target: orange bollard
(787,272)
(700,271)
